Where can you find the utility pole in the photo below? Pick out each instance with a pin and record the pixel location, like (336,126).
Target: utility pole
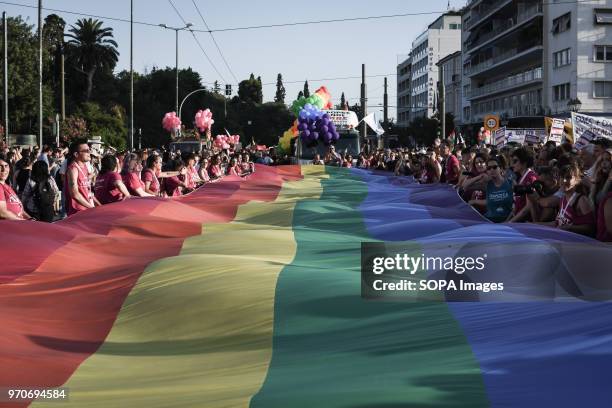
(386,104)
(63,82)
(5,72)
(364,103)
(40,76)
(176,30)
(131,141)
(177,75)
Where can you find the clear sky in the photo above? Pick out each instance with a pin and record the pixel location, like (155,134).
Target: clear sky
(310,52)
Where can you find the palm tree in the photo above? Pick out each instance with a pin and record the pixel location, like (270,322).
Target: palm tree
(91,47)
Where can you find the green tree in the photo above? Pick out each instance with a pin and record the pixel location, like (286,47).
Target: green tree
(306,90)
(280,90)
(342,101)
(250,91)
(73,127)
(23,78)
(300,94)
(110,125)
(91,48)
(424,130)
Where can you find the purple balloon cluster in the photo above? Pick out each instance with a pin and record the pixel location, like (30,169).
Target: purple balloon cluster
(315,125)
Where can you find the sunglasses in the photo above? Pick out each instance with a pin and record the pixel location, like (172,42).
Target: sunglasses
(85,151)
(492,167)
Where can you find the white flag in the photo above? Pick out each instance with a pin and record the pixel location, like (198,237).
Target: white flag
(373,123)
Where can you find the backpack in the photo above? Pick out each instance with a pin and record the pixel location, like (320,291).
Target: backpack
(45,199)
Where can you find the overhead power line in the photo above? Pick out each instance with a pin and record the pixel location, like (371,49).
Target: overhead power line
(214,41)
(196,40)
(278,25)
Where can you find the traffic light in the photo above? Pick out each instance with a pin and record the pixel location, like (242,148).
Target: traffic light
(228,90)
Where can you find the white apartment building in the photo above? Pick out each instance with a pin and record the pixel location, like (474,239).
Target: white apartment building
(404,101)
(503,58)
(451,67)
(442,37)
(578,56)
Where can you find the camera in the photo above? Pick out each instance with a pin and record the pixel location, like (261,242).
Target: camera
(535,187)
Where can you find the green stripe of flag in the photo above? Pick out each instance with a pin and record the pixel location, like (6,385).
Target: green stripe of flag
(331,348)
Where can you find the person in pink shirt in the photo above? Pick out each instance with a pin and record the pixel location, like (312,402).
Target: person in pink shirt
(522,161)
(575,212)
(150,175)
(131,176)
(214,170)
(191,178)
(77,186)
(234,168)
(204,164)
(109,187)
(173,186)
(10,205)
(348,161)
(452,167)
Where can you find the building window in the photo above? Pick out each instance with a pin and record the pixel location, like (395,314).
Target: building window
(562,58)
(603,53)
(602,89)
(562,24)
(561,92)
(454,26)
(603,16)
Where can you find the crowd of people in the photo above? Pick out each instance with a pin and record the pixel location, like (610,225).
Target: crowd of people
(550,185)
(547,184)
(52,183)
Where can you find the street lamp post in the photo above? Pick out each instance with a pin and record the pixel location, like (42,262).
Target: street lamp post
(176,30)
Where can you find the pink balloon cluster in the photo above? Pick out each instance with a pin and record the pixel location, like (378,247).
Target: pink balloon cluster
(171,122)
(204,120)
(224,141)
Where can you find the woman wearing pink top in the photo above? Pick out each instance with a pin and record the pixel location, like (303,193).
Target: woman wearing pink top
(173,186)
(204,164)
(191,178)
(247,165)
(575,213)
(234,168)
(150,175)
(109,187)
(10,205)
(131,176)
(214,170)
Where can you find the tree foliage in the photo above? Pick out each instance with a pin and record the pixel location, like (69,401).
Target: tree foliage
(91,48)
(306,90)
(280,90)
(250,90)
(23,78)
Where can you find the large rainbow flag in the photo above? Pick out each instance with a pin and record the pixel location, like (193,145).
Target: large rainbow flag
(246,293)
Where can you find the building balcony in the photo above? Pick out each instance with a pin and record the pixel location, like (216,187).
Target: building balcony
(513,112)
(510,58)
(511,82)
(485,13)
(522,18)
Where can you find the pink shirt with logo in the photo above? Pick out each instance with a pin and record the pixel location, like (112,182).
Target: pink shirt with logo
(84,186)
(13,204)
(106,190)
